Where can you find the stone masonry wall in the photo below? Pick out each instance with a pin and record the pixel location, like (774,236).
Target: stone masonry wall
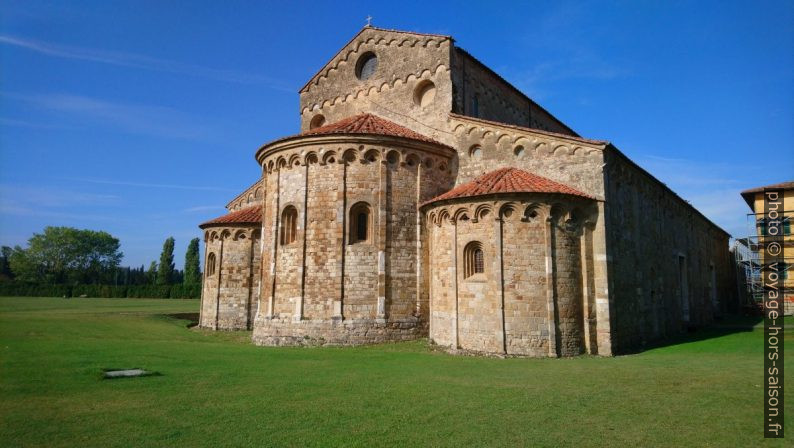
(530,299)
(324,281)
(481,93)
(669,267)
(406,61)
(230,293)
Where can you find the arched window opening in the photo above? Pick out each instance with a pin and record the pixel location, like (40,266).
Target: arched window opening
(473,259)
(360,217)
(210,265)
(289,225)
(317,121)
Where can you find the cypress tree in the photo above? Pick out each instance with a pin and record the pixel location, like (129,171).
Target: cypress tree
(165,272)
(151,275)
(192,268)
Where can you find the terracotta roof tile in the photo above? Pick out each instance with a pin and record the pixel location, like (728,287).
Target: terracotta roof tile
(248,215)
(749,194)
(368,124)
(507,180)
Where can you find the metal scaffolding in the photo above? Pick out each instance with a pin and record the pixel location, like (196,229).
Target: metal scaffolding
(748,257)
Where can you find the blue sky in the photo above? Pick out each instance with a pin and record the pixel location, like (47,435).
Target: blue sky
(142,118)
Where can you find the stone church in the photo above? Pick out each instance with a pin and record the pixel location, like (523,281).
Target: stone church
(425,196)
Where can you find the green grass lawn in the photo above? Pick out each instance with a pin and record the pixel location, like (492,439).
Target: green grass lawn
(216,389)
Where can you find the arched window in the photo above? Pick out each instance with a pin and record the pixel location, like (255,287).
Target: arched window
(210,265)
(473,259)
(360,217)
(289,225)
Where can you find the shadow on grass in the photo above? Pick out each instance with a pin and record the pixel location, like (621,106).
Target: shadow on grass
(730,324)
(192,318)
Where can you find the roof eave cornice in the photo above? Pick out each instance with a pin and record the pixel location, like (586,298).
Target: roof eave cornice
(208,225)
(375,139)
(495,196)
(596,144)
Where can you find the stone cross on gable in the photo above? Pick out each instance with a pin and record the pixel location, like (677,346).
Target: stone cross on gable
(369,20)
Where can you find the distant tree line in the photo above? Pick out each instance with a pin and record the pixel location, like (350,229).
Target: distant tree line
(64,261)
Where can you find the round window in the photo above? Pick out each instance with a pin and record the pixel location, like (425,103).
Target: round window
(366,65)
(424,93)
(317,121)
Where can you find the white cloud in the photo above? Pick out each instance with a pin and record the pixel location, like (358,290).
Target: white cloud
(148,185)
(139,61)
(204,208)
(132,118)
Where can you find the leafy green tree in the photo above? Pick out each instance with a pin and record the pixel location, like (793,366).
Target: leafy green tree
(65,255)
(151,275)
(165,271)
(5,263)
(192,268)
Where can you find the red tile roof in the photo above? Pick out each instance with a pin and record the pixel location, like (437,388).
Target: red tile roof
(507,180)
(368,124)
(248,215)
(749,194)
(363,124)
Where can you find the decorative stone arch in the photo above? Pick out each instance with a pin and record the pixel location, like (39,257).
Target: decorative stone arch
(534,211)
(329,157)
(311,158)
(281,163)
(461,214)
(557,212)
(226,234)
(508,211)
(481,211)
(393,157)
(371,156)
(412,160)
(350,155)
(561,150)
(443,215)
(294,160)
(240,234)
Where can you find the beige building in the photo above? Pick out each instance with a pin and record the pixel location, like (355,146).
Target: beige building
(755,200)
(427,197)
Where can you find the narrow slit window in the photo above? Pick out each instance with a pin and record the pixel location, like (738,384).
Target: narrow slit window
(210,265)
(360,223)
(289,225)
